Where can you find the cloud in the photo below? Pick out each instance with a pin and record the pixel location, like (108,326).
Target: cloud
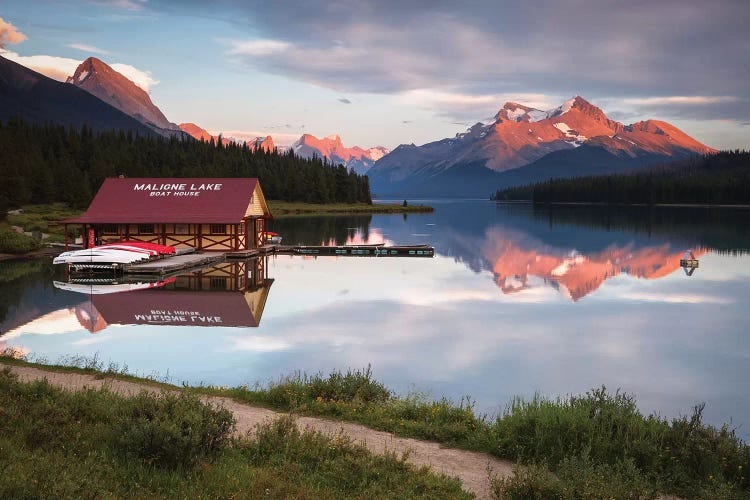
(88,48)
(505,47)
(280,140)
(693,100)
(9,34)
(257,48)
(144,79)
(121,4)
(344,100)
(58,68)
(470,107)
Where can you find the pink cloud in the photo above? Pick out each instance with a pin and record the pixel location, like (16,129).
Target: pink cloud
(9,34)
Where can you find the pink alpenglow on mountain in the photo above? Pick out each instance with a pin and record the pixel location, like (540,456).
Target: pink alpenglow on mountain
(201,134)
(264,143)
(195,131)
(520,137)
(331,147)
(99,79)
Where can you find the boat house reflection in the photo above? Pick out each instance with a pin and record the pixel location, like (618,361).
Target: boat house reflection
(231,294)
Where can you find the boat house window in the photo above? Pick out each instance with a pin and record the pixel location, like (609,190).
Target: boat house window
(218,229)
(110,229)
(145,229)
(182,228)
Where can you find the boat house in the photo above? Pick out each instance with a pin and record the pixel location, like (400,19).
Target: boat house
(206,214)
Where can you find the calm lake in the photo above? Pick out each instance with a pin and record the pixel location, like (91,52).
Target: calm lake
(517,300)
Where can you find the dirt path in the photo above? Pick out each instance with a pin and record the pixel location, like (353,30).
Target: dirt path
(470,467)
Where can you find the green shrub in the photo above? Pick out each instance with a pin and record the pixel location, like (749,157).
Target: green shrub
(173,430)
(16,243)
(609,429)
(530,482)
(352,386)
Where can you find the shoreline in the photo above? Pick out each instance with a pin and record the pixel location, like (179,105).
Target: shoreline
(283,208)
(600,204)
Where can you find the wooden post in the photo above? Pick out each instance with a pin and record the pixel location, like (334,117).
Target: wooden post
(236,229)
(200,236)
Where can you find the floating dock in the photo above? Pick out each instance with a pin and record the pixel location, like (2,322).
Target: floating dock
(191,261)
(379,250)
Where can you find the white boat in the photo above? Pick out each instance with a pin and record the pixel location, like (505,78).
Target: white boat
(101,289)
(100,256)
(128,248)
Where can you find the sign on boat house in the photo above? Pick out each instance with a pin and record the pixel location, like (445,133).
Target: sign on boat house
(206,214)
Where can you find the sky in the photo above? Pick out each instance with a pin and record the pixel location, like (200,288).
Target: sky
(380,72)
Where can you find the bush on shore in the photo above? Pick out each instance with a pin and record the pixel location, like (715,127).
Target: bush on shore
(16,243)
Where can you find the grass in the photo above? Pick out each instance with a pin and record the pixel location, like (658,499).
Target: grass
(278,207)
(589,446)
(93,443)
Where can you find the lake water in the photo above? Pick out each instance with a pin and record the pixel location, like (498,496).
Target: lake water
(516,301)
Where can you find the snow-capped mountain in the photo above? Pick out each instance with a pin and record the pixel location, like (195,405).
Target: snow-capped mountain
(331,147)
(521,136)
(99,79)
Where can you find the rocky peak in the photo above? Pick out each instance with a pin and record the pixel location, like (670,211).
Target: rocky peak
(264,143)
(98,78)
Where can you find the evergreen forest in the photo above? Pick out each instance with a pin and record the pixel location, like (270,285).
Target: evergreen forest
(716,179)
(48,163)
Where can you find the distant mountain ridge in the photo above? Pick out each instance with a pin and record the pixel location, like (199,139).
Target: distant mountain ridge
(331,147)
(201,134)
(98,78)
(524,144)
(39,99)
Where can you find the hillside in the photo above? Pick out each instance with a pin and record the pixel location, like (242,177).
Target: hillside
(38,99)
(720,179)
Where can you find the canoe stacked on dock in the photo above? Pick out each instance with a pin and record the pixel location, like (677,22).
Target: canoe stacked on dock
(115,254)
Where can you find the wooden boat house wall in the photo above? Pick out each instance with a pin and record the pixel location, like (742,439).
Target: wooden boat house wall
(206,214)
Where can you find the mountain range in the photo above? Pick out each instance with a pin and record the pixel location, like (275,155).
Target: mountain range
(523,145)
(331,147)
(519,146)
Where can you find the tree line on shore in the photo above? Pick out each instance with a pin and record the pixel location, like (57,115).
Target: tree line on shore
(715,179)
(51,163)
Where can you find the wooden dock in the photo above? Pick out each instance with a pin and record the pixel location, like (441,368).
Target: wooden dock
(169,265)
(191,261)
(379,250)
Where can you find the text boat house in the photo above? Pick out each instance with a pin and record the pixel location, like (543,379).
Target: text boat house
(206,214)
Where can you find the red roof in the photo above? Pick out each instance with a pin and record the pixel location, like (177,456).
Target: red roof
(151,201)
